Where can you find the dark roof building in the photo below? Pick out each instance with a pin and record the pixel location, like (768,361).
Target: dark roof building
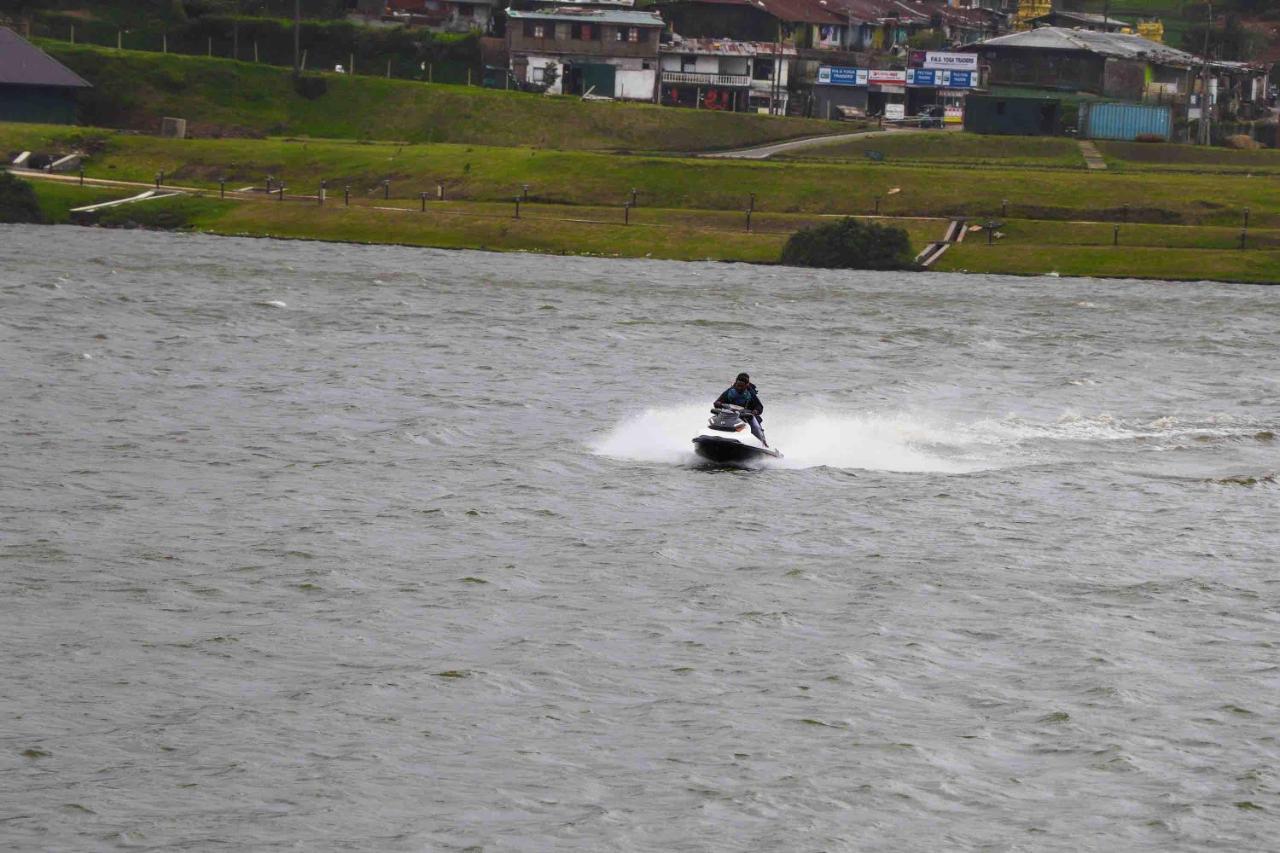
(35,87)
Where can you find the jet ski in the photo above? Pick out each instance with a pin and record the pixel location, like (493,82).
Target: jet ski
(727,439)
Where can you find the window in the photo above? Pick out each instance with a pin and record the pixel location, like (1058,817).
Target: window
(689,63)
(584,32)
(533,29)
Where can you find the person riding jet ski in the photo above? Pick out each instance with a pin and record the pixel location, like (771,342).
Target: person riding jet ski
(743,393)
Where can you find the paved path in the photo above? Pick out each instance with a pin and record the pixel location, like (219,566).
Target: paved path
(1092,156)
(764,152)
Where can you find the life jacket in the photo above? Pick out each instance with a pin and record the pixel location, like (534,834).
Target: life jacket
(740,398)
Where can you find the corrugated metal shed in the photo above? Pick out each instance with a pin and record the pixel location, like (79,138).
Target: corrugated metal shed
(24,64)
(1126,122)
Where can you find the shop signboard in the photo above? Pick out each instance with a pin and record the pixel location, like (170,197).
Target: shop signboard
(895,112)
(941,79)
(835,75)
(962,61)
(879,76)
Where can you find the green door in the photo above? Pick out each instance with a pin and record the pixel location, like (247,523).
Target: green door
(599,76)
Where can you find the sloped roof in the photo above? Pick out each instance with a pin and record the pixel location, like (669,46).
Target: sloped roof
(1119,45)
(24,64)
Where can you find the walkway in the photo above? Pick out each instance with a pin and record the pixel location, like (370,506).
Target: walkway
(764,152)
(1092,156)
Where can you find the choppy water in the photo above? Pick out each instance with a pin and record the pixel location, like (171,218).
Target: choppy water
(312,547)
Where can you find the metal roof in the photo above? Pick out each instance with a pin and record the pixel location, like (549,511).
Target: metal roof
(1119,45)
(24,64)
(599,16)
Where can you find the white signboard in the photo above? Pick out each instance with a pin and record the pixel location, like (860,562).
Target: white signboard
(957,61)
(877,76)
(895,112)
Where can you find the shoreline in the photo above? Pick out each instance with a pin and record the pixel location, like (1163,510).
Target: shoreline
(1031,248)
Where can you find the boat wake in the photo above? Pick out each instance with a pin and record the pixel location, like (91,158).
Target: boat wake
(922,442)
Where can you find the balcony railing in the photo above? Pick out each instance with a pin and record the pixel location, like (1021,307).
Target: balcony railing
(740,81)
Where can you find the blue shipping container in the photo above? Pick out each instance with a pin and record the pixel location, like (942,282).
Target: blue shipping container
(1125,121)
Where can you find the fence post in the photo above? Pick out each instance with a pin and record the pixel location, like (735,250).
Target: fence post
(82,176)
(749,212)
(346,196)
(209,52)
(1246,219)
(222,187)
(517,207)
(386,189)
(423,196)
(1115,235)
(388,69)
(1244,236)
(255,50)
(877,205)
(524,192)
(73,33)
(352,68)
(119,40)
(1004,208)
(164,42)
(320,195)
(440,190)
(281,191)
(626,213)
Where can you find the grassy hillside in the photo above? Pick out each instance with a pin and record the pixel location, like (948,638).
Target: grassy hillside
(221,97)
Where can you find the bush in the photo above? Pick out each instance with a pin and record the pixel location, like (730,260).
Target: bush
(850,244)
(1241,142)
(18,201)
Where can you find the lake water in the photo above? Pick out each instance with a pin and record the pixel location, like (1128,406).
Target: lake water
(319,547)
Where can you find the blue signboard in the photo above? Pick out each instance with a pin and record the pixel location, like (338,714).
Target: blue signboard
(942,78)
(835,75)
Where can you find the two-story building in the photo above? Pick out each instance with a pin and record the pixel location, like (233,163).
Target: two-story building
(721,74)
(586,51)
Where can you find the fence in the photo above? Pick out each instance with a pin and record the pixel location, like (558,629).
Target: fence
(392,52)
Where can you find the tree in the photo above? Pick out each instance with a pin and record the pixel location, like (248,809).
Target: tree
(550,74)
(850,244)
(18,201)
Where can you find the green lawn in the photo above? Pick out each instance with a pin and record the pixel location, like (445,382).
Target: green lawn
(957,148)
(497,174)
(222,97)
(1139,156)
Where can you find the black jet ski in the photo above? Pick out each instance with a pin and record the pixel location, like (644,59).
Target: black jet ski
(727,439)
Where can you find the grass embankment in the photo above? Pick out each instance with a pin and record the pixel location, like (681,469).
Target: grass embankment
(222,97)
(952,148)
(477,173)
(965,150)
(553,229)
(1139,156)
